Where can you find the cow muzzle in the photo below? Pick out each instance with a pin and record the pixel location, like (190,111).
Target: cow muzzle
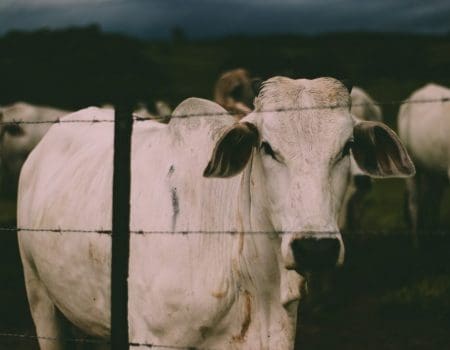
(315,254)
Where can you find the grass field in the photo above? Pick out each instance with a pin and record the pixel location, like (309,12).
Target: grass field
(388,295)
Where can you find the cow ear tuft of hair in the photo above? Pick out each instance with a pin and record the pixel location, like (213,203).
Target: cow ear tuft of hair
(379,152)
(233,151)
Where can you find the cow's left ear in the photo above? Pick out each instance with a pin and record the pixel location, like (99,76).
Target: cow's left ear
(232,151)
(379,152)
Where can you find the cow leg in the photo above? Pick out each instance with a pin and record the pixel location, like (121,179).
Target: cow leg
(423,200)
(412,206)
(51,326)
(431,192)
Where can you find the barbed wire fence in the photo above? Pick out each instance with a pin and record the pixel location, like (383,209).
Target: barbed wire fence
(137,118)
(359,233)
(121,209)
(98,341)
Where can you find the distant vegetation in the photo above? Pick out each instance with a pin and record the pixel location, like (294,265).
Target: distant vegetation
(76,67)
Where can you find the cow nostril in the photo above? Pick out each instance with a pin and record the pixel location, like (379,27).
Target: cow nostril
(312,254)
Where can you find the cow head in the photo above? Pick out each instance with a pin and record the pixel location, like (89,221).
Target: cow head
(301,135)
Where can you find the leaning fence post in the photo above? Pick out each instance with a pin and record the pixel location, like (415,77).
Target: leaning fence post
(121,227)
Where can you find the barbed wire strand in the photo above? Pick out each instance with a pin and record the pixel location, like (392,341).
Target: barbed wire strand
(313,234)
(137,118)
(96,341)
(35,337)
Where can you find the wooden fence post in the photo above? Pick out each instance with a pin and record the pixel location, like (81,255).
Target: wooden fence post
(121,227)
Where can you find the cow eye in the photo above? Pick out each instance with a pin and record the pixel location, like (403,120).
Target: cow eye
(267,149)
(347,148)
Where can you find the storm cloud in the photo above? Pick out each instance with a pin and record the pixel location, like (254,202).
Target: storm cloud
(212,18)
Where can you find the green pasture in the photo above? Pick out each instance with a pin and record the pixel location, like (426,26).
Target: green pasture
(388,295)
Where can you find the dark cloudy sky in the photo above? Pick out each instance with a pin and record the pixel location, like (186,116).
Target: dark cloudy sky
(206,18)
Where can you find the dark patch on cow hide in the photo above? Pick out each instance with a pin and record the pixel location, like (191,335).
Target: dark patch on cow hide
(171,170)
(204,331)
(175,206)
(247,318)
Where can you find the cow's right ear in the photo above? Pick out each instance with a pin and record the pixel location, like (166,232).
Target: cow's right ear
(379,152)
(233,151)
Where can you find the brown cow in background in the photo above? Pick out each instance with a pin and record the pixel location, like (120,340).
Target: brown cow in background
(235,92)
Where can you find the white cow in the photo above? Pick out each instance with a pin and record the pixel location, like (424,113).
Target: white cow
(282,174)
(425,130)
(18,139)
(364,108)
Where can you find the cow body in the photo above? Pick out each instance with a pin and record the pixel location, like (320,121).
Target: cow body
(18,139)
(208,288)
(425,128)
(229,294)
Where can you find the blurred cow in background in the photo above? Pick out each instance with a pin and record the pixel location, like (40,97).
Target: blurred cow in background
(425,130)
(162,111)
(18,139)
(364,108)
(234,91)
(23,125)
